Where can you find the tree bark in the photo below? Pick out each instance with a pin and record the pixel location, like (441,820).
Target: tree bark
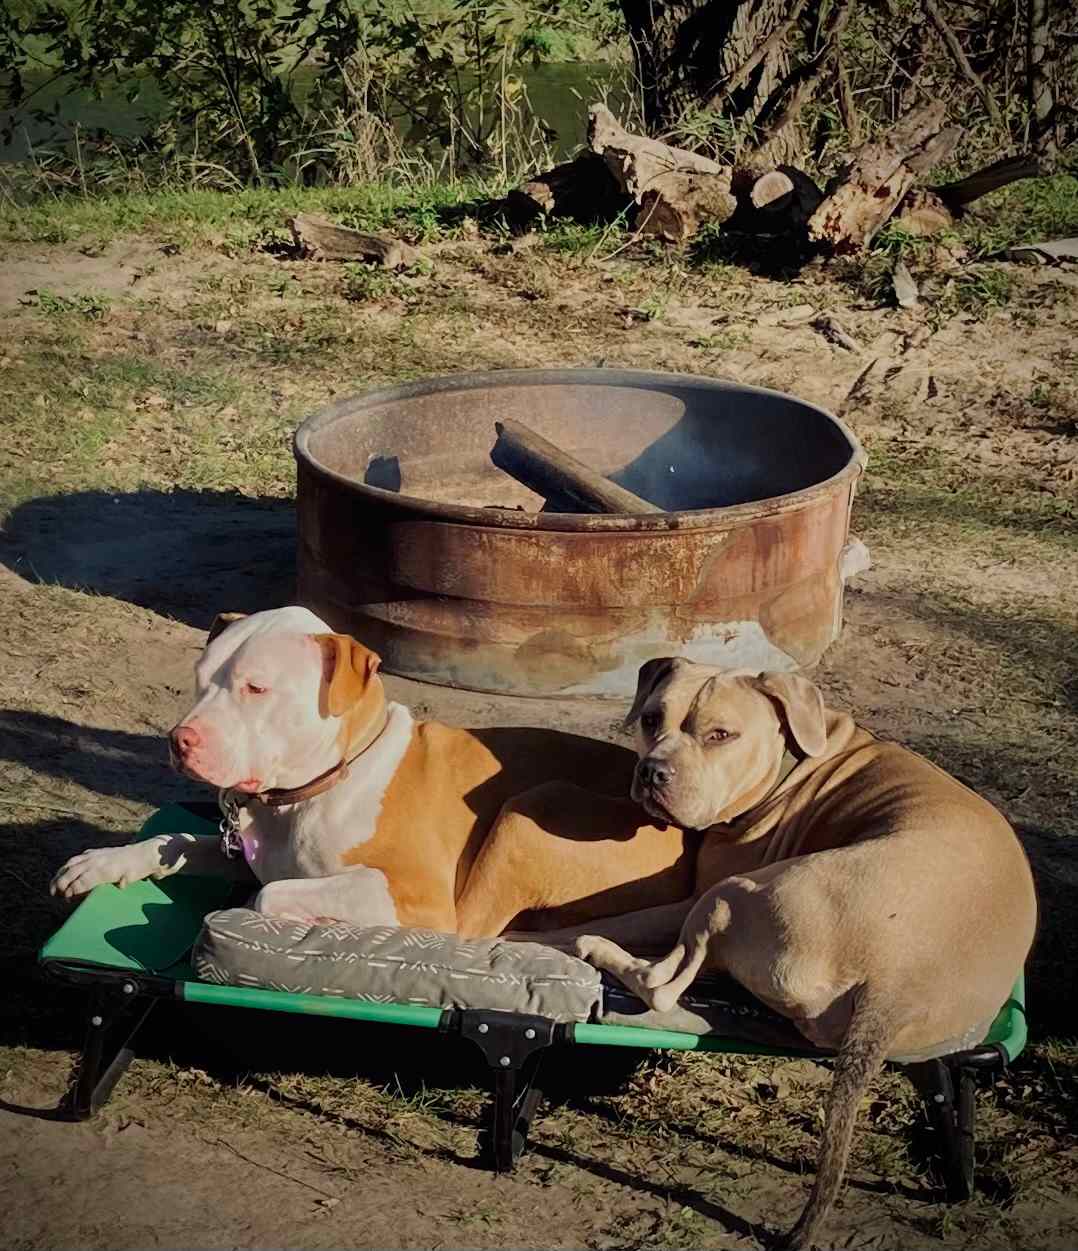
(706,54)
(635,161)
(676,205)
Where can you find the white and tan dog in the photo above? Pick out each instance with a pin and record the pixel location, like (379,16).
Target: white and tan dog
(349,810)
(848,883)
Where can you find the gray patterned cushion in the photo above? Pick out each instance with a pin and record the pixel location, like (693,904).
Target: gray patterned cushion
(239,947)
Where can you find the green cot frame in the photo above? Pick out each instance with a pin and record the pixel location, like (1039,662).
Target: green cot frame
(129,947)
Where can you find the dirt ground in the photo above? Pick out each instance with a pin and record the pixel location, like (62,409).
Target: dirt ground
(148,393)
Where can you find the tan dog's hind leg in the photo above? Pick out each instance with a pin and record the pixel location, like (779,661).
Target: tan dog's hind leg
(733,927)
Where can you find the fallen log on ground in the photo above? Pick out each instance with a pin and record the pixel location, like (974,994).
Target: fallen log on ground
(779,201)
(560,478)
(582,189)
(677,190)
(322,240)
(876,179)
(930,210)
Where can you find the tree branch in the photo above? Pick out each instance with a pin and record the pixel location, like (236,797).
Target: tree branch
(810,74)
(962,61)
(847,108)
(727,86)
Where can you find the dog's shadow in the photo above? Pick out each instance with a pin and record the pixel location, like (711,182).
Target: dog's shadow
(184,554)
(113,764)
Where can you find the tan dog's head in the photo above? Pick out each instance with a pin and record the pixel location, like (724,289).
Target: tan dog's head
(709,741)
(279,698)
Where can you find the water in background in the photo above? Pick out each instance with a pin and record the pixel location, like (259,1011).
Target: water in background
(560,95)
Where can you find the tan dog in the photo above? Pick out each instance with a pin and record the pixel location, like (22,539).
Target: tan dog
(846,882)
(348,809)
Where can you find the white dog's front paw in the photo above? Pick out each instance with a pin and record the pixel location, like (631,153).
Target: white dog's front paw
(119,865)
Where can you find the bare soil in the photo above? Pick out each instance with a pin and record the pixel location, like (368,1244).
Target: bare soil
(146,472)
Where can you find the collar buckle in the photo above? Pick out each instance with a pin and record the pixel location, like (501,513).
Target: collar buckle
(229,826)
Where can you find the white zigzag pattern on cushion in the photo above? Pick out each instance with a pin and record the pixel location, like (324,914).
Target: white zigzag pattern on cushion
(259,921)
(209,972)
(427,940)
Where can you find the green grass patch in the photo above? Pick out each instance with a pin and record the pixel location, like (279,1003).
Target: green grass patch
(93,307)
(74,421)
(922,486)
(242,217)
(1024,212)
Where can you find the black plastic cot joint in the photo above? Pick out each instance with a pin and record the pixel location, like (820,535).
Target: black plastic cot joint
(506,1039)
(512,1045)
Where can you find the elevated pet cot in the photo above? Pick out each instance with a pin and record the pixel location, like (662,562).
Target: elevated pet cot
(131,948)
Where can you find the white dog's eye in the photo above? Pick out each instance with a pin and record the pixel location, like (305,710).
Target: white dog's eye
(716,736)
(251,689)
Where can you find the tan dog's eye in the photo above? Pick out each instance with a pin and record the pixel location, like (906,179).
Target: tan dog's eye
(650,722)
(251,689)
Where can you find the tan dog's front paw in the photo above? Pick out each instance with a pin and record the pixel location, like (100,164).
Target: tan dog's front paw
(647,980)
(608,956)
(603,953)
(273,900)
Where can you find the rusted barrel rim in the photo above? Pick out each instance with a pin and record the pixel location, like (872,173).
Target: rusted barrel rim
(512,519)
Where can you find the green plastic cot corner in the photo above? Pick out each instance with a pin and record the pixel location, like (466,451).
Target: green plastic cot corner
(147,926)
(1010,1029)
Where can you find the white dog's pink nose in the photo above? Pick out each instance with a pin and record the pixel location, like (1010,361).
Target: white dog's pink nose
(185,739)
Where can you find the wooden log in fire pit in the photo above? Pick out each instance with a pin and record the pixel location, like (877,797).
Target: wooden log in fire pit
(557,476)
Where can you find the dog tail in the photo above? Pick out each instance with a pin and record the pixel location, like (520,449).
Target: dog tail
(868,1040)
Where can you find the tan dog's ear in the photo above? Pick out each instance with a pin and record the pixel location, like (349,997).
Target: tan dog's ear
(221,623)
(652,672)
(347,668)
(802,706)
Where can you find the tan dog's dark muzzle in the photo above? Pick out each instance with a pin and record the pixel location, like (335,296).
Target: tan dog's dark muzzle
(654,774)
(651,780)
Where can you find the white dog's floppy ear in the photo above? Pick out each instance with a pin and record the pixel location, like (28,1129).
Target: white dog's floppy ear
(802,706)
(221,623)
(347,668)
(652,672)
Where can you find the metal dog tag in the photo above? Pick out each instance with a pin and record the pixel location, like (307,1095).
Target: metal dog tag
(231,843)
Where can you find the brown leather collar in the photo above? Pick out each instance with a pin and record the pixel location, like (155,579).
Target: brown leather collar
(281,796)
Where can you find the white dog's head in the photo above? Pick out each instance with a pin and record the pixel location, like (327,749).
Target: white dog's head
(279,700)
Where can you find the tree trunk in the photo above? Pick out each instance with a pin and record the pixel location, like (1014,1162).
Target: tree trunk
(1041,104)
(693,55)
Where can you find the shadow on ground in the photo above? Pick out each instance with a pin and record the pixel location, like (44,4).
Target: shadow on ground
(183,554)
(116,764)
